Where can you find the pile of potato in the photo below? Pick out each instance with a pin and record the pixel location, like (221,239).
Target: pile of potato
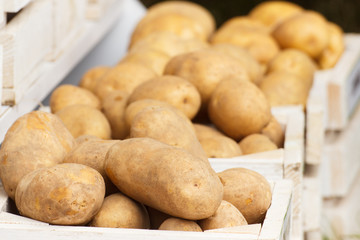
(141,132)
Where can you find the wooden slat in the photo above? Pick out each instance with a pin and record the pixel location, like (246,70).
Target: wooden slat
(14,5)
(97,8)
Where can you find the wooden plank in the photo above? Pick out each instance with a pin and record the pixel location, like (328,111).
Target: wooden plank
(14,5)
(2,15)
(9,218)
(1,75)
(97,8)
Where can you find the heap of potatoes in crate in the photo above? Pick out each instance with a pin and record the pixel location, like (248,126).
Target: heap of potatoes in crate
(127,132)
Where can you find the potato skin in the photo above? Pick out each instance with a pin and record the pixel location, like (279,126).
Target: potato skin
(65,194)
(35,140)
(256,143)
(92,76)
(238,108)
(156,217)
(274,131)
(177,91)
(120,211)
(248,191)
(227,215)
(178,224)
(163,177)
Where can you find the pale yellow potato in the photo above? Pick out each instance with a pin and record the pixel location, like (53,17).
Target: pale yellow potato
(120,211)
(165,125)
(256,143)
(306,31)
(296,62)
(205,69)
(248,191)
(237,22)
(92,76)
(227,215)
(85,120)
(216,144)
(152,58)
(174,90)
(125,76)
(164,177)
(271,13)
(66,95)
(156,217)
(85,138)
(65,194)
(239,108)
(333,51)
(35,140)
(252,67)
(178,224)
(284,88)
(113,107)
(274,131)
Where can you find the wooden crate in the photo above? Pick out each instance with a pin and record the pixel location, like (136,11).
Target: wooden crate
(275,227)
(95,9)
(286,163)
(14,5)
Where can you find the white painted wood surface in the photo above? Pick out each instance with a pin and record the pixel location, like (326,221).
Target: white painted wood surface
(2,15)
(1,75)
(14,5)
(97,8)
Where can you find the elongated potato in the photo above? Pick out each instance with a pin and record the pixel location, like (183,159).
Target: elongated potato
(178,224)
(274,131)
(256,143)
(248,191)
(65,194)
(120,211)
(177,91)
(92,76)
(163,177)
(35,140)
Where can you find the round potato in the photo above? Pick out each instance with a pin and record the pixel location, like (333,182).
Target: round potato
(271,13)
(248,191)
(178,224)
(156,217)
(66,95)
(227,215)
(125,76)
(85,120)
(245,22)
(35,140)
(256,143)
(284,88)
(306,31)
(65,194)
(163,177)
(216,144)
(177,91)
(120,211)
(165,125)
(205,69)
(333,51)
(274,131)
(296,62)
(238,108)
(113,107)
(91,77)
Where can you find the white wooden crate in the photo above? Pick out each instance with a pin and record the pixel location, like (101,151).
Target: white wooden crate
(2,15)
(275,227)
(95,9)
(286,163)
(14,5)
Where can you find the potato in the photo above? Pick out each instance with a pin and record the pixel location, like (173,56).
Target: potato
(284,88)
(92,154)
(66,95)
(205,69)
(256,143)
(227,215)
(238,108)
(91,77)
(333,51)
(35,140)
(306,31)
(126,76)
(252,67)
(85,138)
(245,22)
(120,211)
(165,125)
(216,144)
(177,91)
(163,177)
(168,43)
(271,13)
(152,58)
(178,224)
(248,191)
(113,107)
(85,120)
(274,131)
(65,194)
(156,217)
(296,62)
